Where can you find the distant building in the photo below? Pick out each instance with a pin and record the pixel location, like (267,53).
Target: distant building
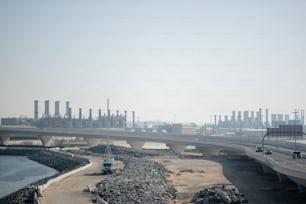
(184,129)
(17,121)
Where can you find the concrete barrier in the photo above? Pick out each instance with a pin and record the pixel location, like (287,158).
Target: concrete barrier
(43,187)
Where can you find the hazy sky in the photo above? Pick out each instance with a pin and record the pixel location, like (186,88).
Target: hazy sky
(161,58)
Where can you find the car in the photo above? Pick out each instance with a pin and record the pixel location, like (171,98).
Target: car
(258,148)
(296,154)
(268,151)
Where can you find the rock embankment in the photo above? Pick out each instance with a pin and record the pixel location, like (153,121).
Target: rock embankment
(141,181)
(116,150)
(62,163)
(219,195)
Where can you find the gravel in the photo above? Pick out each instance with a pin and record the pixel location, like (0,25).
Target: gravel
(141,181)
(219,195)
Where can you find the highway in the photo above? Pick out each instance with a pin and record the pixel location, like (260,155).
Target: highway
(280,160)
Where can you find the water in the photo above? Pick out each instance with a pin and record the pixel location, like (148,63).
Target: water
(17,172)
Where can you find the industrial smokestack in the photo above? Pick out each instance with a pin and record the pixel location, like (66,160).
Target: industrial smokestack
(47,113)
(57,113)
(302,117)
(133,119)
(239,116)
(67,109)
(100,118)
(125,119)
(100,114)
(108,110)
(233,116)
(252,115)
(80,113)
(267,117)
(70,115)
(36,109)
(90,114)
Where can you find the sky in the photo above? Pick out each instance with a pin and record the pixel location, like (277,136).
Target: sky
(169,60)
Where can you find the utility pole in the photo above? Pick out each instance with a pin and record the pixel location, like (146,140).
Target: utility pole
(296,111)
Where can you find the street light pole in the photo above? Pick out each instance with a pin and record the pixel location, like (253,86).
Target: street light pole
(295,118)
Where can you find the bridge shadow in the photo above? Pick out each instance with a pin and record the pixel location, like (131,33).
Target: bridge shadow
(258,187)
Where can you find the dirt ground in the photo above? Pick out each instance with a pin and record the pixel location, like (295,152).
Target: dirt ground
(238,171)
(70,189)
(258,187)
(191,175)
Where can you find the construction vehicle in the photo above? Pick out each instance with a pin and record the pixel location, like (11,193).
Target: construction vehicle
(109,163)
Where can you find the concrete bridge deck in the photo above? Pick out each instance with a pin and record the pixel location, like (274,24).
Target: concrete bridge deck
(280,161)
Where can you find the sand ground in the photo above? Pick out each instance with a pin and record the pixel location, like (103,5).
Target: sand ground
(70,189)
(189,176)
(204,173)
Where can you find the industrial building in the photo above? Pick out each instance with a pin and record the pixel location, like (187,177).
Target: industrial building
(184,129)
(111,120)
(254,120)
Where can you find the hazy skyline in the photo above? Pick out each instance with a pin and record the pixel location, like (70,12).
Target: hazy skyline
(191,59)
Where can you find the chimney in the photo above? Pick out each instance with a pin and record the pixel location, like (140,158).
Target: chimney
(80,113)
(100,118)
(90,114)
(267,117)
(70,115)
(57,113)
(47,113)
(133,119)
(125,119)
(36,109)
(302,117)
(67,108)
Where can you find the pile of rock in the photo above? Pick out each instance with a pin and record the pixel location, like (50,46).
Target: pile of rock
(25,195)
(219,195)
(141,181)
(62,163)
(18,152)
(101,149)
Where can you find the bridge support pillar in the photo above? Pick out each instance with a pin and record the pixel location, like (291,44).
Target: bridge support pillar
(93,141)
(177,148)
(5,139)
(209,151)
(135,144)
(300,188)
(46,140)
(266,169)
(282,177)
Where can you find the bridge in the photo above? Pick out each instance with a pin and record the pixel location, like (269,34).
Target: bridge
(280,162)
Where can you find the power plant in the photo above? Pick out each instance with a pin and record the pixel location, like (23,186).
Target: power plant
(256,121)
(47,120)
